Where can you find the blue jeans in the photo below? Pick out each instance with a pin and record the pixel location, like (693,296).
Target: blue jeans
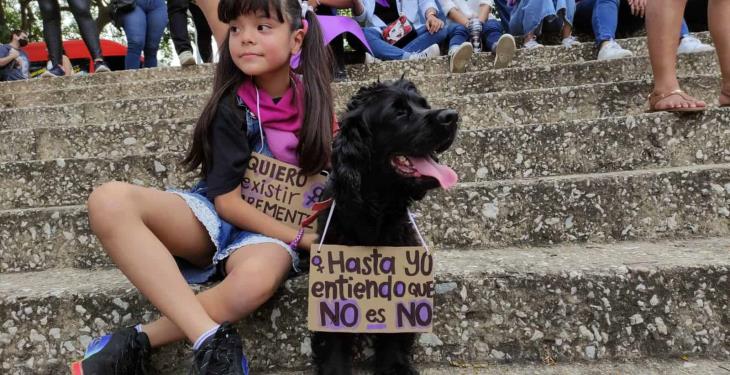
(385,51)
(491,31)
(144,27)
(605,17)
(504,11)
(537,16)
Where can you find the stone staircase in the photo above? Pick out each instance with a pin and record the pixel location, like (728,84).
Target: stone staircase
(584,231)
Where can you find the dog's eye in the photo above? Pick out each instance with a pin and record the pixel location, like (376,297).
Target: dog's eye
(402,112)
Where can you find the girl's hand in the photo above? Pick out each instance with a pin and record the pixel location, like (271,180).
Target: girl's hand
(433,24)
(638,7)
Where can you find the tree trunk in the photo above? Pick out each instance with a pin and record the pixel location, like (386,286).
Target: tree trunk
(4,29)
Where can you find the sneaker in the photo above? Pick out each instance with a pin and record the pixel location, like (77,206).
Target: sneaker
(370,59)
(611,50)
(431,51)
(459,57)
(690,44)
(570,42)
(504,51)
(186,58)
(121,353)
(532,44)
(221,353)
(101,67)
(56,71)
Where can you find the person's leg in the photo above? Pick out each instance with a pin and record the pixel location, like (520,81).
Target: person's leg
(663,19)
(504,12)
(457,34)
(718,14)
(583,18)
(51,15)
(156,23)
(253,274)
(491,31)
(134,24)
(382,49)
(177,12)
(87,26)
(604,20)
(210,10)
(426,39)
(142,229)
(204,33)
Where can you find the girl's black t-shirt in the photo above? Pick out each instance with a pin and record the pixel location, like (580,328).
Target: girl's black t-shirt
(229,148)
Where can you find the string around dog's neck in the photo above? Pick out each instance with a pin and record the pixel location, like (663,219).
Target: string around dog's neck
(411,218)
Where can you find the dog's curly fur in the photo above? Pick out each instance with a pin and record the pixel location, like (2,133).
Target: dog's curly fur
(382,121)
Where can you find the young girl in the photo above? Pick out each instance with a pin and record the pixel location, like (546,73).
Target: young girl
(160,240)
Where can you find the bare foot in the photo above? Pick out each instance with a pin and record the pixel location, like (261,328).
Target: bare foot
(674,100)
(724,98)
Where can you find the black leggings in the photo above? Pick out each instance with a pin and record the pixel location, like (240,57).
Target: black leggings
(51,14)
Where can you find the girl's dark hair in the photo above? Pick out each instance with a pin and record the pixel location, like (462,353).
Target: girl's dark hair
(315,136)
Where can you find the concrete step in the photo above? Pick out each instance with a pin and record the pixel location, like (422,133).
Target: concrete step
(151,153)
(491,109)
(515,79)
(550,55)
(643,204)
(691,366)
(567,303)
(600,145)
(635,205)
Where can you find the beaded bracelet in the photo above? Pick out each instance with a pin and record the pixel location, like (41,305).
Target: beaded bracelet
(294,245)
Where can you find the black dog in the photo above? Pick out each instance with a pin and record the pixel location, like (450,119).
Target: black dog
(383,159)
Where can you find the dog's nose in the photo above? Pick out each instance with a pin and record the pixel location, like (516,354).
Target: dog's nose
(447,117)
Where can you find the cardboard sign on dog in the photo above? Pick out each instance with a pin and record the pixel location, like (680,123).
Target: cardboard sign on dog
(373,290)
(280,190)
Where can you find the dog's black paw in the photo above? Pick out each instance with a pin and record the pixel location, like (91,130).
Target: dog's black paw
(400,369)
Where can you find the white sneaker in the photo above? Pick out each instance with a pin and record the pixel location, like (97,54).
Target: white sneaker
(504,51)
(570,42)
(370,59)
(432,51)
(186,58)
(459,57)
(611,50)
(532,44)
(690,44)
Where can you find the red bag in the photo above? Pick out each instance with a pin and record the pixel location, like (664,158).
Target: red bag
(400,32)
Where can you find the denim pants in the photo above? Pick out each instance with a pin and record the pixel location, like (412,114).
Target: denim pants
(491,31)
(144,27)
(537,16)
(504,12)
(607,17)
(385,51)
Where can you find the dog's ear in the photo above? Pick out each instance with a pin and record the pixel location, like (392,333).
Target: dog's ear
(351,152)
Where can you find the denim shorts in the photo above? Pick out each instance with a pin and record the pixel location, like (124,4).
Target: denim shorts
(225,237)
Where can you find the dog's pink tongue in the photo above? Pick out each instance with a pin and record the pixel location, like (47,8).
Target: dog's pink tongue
(429,167)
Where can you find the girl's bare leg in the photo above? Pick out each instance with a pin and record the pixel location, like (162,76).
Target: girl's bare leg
(253,275)
(141,229)
(663,23)
(718,15)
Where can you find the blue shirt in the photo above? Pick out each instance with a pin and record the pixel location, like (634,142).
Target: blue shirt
(14,71)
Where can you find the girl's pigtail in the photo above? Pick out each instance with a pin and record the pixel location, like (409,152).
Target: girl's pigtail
(316,68)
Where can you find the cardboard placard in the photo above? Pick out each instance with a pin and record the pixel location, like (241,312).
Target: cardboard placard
(279,190)
(372,290)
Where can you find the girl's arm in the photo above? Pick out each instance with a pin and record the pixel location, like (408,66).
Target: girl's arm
(484,10)
(232,208)
(456,15)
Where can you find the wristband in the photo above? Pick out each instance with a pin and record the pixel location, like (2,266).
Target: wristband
(294,245)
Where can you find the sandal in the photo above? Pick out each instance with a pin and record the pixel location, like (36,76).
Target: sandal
(655,98)
(726,93)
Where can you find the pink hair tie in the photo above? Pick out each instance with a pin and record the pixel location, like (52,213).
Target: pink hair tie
(305,26)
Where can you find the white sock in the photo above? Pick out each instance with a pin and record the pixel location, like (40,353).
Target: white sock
(204,337)
(138,328)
